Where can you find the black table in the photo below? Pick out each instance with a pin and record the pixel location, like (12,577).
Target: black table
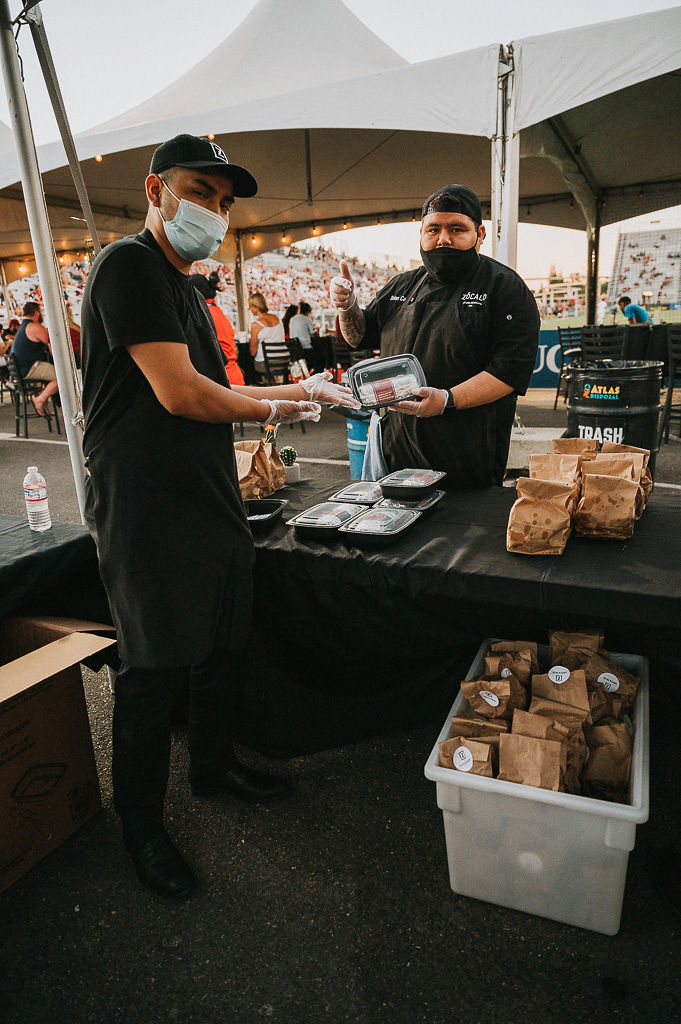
(346,642)
(51,573)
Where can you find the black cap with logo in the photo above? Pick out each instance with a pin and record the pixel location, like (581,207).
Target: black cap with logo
(454,199)
(191,151)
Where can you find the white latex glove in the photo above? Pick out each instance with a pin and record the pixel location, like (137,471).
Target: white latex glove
(432,403)
(320,389)
(291,412)
(342,288)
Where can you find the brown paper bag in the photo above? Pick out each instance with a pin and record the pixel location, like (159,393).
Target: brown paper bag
(494,698)
(606,677)
(530,761)
(463,754)
(607,772)
(617,464)
(586,447)
(607,507)
(563,468)
(605,707)
(526,724)
(519,647)
(646,480)
(572,649)
(500,666)
(260,470)
(564,687)
(573,718)
(540,521)
(488,730)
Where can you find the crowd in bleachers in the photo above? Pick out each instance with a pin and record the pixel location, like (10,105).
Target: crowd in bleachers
(285,277)
(648,267)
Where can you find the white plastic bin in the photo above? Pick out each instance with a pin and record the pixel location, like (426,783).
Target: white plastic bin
(552,854)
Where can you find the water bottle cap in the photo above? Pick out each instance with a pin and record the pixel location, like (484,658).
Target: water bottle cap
(32,469)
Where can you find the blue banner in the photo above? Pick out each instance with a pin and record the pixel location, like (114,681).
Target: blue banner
(548,361)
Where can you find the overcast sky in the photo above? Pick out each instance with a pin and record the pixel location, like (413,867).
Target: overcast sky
(111,56)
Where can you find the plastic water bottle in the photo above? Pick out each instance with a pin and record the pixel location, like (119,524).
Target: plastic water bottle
(35,493)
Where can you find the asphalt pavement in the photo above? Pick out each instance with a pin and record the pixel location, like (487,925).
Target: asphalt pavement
(335,905)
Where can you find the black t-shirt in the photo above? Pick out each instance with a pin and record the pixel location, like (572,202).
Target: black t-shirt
(487,322)
(174,546)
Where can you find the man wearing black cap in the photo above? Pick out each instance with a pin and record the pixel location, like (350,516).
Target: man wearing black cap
(163,499)
(474,326)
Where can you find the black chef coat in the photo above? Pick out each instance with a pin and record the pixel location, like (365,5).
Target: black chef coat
(488,322)
(175,550)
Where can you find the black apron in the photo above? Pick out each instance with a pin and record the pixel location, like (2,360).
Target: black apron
(164,506)
(471,445)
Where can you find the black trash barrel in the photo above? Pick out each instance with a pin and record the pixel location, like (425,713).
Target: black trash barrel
(616,400)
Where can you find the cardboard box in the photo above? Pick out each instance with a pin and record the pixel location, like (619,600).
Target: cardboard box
(48,778)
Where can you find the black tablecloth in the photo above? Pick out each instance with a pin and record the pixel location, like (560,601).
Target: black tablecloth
(346,642)
(51,573)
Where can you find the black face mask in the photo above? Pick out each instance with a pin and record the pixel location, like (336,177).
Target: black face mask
(449,266)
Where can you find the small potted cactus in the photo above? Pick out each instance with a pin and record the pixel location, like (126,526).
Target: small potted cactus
(288,456)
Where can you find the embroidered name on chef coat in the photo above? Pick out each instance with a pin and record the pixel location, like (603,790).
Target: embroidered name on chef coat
(398,298)
(473,298)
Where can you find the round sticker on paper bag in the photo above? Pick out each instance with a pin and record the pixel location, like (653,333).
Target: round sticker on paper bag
(505,673)
(559,674)
(609,681)
(462,759)
(490,697)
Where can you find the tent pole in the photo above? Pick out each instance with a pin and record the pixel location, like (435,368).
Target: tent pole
(240,284)
(593,248)
(35,20)
(9,301)
(505,185)
(43,246)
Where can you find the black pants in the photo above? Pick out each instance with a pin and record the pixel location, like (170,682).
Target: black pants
(141,735)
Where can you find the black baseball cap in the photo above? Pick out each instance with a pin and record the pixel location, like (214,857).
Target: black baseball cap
(191,151)
(454,199)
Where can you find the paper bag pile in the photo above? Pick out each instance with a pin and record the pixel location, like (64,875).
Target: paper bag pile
(599,494)
(567,729)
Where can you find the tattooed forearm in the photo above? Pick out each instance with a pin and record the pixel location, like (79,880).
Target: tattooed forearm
(352,324)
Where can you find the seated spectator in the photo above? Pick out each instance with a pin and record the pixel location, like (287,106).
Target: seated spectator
(286,320)
(267,328)
(302,327)
(32,352)
(208,287)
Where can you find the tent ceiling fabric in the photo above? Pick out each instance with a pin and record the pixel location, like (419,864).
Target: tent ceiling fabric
(381,141)
(279,47)
(563,70)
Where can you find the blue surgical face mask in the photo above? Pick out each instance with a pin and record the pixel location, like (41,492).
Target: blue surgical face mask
(194,232)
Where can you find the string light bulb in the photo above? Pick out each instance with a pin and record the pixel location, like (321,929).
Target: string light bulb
(345,225)
(211,137)
(283,238)
(572,204)
(528,212)
(61,259)
(99,158)
(22,268)
(253,239)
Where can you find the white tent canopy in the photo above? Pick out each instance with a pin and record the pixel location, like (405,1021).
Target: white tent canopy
(278,48)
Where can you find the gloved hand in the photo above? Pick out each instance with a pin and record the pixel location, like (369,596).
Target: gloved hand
(432,403)
(342,288)
(291,412)
(320,390)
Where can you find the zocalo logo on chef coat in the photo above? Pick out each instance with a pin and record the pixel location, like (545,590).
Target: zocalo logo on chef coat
(473,298)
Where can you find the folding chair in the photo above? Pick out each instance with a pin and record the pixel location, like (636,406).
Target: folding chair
(602,343)
(569,339)
(671,411)
(22,392)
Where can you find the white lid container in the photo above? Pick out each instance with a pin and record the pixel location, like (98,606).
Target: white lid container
(555,855)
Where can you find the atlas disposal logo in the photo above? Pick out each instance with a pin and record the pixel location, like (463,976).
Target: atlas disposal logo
(602,392)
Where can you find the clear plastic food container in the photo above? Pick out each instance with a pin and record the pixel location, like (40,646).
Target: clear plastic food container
(381,382)
(324,519)
(421,505)
(379,526)
(410,484)
(364,492)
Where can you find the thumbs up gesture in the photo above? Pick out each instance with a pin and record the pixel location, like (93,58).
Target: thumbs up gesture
(342,288)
